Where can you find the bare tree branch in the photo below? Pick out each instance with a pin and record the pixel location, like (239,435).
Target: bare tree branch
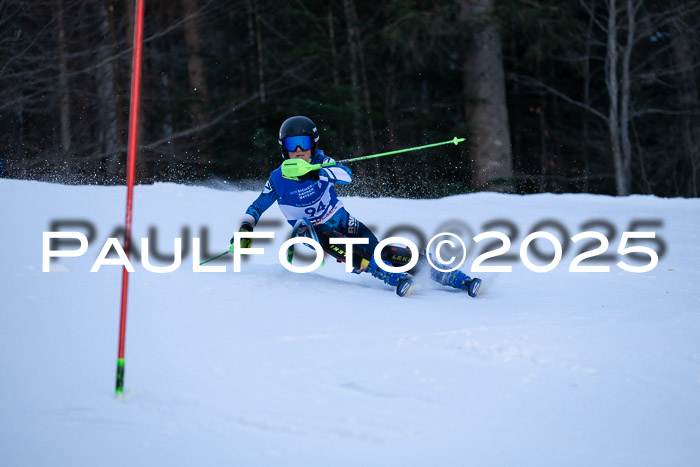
(529,81)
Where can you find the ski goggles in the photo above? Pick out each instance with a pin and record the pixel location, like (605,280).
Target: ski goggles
(292,142)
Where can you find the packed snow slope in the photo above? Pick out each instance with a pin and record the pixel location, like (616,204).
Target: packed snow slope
(270,367)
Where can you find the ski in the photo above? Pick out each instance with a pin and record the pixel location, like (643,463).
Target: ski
(473,287)
(404,287)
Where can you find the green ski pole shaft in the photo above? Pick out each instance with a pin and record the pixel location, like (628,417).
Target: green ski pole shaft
(293,168)
(454,141)
(215,257)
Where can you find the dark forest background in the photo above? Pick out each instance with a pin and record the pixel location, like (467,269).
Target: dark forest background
(598,96)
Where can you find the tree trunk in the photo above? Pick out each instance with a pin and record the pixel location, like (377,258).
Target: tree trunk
(365,85)
(261,62)
(612,84)
(197,77)
(195,62)
(685,53)
(587,102)
(172,50)
(625,142)
(23,162)
(390,98)
(107,96)
(248,79)
(485,109)
(64,95)
(334,53)
(354,72)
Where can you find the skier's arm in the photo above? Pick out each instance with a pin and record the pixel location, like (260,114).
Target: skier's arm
(335,174)
(267,198)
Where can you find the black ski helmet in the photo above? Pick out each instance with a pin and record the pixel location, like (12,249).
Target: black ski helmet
(298,126)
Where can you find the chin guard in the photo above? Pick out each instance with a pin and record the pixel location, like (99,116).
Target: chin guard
(295,168)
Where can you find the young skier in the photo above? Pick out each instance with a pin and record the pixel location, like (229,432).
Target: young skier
(312,196)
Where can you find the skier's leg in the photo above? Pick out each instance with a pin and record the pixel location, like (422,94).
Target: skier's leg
(399,256)
(340,225)
(361,254)
(344,225)
(456,278)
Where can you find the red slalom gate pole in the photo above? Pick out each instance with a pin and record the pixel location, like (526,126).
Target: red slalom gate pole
(130,176)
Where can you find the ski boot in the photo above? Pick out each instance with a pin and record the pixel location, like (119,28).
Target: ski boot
(456,279)
(401,280)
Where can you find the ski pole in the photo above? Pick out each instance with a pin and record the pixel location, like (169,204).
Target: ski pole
(293,168)
(216,257)
(454,141)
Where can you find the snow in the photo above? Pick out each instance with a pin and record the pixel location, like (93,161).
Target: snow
(269,367)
